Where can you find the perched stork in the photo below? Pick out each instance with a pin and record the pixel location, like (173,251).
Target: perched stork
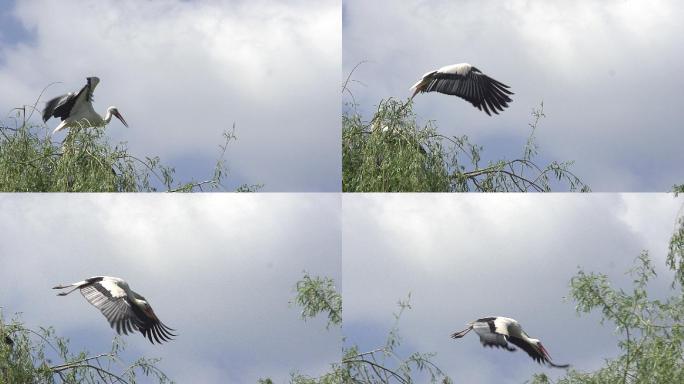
(499,331)
(76,110)
(467,82)
(125,310)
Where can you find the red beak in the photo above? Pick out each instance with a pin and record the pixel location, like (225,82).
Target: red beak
(118,116)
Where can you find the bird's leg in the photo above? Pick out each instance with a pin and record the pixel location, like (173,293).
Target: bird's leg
(462,333)
(66,286)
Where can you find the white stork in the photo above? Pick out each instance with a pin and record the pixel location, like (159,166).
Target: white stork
(125,310)
(499,331)
(467,82)
(76,110)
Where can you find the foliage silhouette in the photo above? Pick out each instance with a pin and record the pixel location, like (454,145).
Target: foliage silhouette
(31,356)
(393,154)
(85,161)
(650,331)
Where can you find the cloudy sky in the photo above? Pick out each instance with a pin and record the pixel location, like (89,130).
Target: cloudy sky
(219,269)
(609,74)
(183,72)
(467,257)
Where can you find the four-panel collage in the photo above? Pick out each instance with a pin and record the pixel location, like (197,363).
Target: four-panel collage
(342,191)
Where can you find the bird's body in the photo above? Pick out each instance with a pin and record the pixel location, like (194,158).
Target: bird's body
(469,83)
(500,331)
(76,109)
(125,310)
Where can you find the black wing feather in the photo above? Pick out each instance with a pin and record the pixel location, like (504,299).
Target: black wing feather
(506,347)
(153,329)
(534,354)
(483,92)
(117,311)
(61,106)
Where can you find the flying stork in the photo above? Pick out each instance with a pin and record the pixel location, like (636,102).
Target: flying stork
(499,331)
(76,110)
(125,310)
(469,83)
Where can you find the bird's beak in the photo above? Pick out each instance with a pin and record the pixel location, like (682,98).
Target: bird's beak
(118,116)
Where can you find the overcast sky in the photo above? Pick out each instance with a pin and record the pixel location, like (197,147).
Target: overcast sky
(470,256)
(609,73)
(220,269)
(183,72)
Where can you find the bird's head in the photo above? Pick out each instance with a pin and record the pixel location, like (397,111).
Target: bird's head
(115,112)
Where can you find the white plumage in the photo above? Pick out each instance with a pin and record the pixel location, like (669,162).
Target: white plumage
(125,310)
(498,331)
(76,109)
(467,82)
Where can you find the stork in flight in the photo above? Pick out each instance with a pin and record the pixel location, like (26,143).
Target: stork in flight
(467,82)
(125,310)
(499,331)
(76,110)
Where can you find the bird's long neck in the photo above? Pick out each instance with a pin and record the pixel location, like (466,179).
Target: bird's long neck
(528,340)
(108,116)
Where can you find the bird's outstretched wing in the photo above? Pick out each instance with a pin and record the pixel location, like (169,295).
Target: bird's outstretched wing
(111,300)
(496,340)
(150,325)
(125,318)
(59,106)
(489,336)
(539,356)
(483,92)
